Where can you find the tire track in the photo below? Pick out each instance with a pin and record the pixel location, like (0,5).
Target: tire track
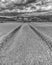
(44,37)
(7,38)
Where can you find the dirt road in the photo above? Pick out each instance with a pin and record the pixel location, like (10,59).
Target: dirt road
(25,44)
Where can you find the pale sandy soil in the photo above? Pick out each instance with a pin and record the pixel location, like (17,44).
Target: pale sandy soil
(7,27)
(25,47)
(44,27)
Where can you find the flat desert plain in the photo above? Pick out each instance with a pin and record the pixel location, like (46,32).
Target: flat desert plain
(25,46)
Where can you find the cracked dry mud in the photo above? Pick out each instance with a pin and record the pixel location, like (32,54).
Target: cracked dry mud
(24,46)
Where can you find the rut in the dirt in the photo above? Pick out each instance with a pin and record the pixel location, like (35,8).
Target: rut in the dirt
(4,40)
(43,36)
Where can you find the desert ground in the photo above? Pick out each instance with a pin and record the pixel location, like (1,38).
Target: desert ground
(24,46)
